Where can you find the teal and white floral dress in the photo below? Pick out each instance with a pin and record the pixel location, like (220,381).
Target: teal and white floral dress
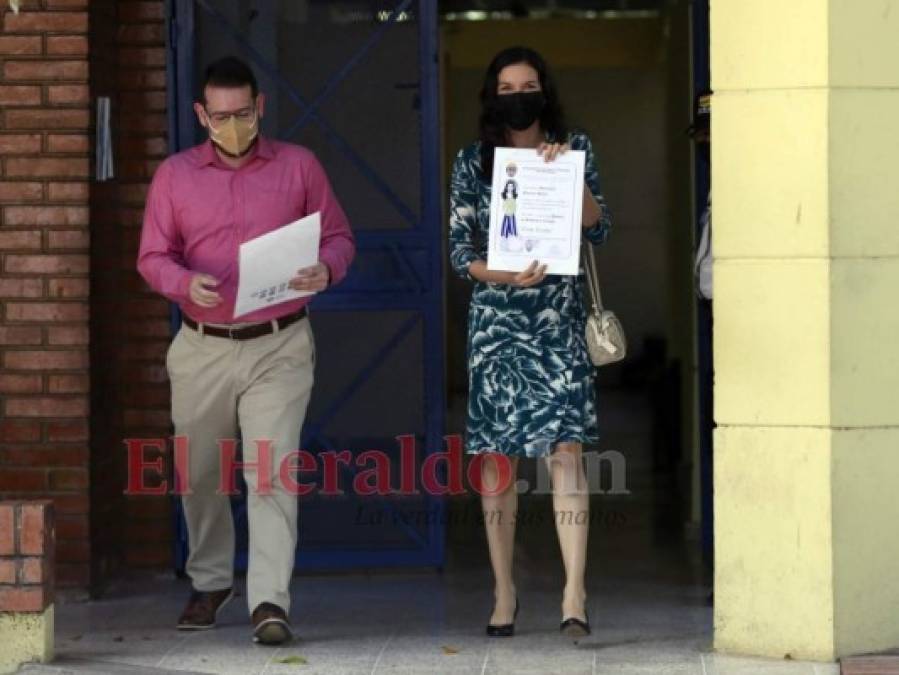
(530,377)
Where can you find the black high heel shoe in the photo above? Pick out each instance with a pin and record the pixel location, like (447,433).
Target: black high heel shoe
(575,628)
(505,629)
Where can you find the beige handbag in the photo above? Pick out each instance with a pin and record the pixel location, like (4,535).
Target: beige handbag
(605,336)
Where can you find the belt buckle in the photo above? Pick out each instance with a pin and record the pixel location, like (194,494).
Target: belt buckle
(231,333)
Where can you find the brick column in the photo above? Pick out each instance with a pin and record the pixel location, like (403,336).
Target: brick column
(69,295)
(44,266)
(26,583)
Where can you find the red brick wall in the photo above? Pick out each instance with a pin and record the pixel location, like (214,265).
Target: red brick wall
(44,267)
(26,556)
(82,340)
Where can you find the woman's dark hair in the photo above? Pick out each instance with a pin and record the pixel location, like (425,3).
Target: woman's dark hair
(229,72)
(492,130)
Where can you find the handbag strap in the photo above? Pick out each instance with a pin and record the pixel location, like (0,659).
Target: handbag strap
(592,274)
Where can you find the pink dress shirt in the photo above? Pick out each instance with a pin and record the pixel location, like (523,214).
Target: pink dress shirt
(199,210)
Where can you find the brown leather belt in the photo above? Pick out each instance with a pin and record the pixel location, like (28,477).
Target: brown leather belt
(254,330)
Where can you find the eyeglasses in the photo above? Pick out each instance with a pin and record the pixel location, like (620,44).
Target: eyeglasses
(244,115)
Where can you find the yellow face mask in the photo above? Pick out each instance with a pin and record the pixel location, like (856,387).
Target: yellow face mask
(234,136)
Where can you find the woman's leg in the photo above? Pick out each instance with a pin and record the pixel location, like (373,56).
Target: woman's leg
(500,511)
(571,509)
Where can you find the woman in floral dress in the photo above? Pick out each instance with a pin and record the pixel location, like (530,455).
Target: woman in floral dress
(531,384)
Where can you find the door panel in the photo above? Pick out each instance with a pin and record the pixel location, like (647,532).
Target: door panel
(356,82)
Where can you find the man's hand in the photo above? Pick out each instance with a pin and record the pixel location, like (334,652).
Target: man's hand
(315,278)
(200,293)
(531,276)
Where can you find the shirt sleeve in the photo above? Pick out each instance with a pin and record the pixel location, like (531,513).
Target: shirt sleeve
(160,259)
(462,209)
(598,233)
(338,245)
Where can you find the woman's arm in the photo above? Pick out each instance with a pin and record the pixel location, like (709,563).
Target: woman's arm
(595,217)
(597,220)
(462,218)
(592,210)
(463,256)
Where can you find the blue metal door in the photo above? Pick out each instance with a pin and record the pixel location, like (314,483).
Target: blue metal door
(357,82)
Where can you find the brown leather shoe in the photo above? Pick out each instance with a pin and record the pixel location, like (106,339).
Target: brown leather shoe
(202,608)
(270,625)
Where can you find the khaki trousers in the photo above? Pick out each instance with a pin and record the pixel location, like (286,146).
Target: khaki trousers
(261,387)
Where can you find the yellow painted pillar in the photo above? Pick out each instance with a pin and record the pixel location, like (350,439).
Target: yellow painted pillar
(805,130)
(26,637)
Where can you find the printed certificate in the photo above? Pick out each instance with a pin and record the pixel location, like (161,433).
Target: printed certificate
(536,211)
(269,262)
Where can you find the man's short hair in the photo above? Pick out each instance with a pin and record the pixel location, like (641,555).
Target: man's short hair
(229,73)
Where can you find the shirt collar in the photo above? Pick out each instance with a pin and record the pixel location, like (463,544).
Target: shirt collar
(264,148)
(207,156)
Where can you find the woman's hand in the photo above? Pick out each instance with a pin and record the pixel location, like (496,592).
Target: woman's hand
(550,151)
(531,276)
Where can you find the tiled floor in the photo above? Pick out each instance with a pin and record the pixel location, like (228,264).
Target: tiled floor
(410,623)
(648,605)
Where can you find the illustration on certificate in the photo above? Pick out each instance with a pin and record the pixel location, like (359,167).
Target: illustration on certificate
(535,211)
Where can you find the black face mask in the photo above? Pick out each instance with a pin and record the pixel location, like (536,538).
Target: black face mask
(519,111)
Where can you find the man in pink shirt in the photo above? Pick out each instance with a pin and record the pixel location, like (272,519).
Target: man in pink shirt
(254,374)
